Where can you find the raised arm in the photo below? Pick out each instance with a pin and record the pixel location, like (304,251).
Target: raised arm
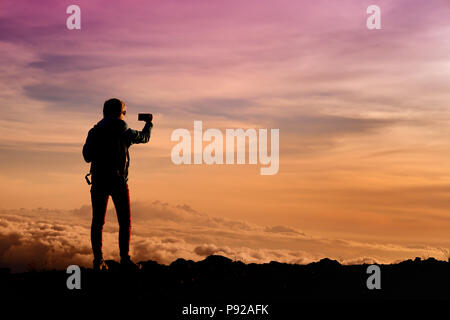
(135,136)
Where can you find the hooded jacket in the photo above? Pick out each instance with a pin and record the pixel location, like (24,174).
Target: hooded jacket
(106,147)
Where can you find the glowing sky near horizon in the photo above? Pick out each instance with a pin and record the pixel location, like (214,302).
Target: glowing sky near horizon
(363,114)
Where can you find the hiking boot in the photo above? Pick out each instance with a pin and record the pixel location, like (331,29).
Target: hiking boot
(128,265)
(100,265)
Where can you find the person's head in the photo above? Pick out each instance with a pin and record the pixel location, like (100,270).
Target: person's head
(114,108)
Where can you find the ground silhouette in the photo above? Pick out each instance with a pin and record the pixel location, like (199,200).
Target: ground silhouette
(219,280)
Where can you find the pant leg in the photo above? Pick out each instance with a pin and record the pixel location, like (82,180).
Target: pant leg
(99,199)
(121,198)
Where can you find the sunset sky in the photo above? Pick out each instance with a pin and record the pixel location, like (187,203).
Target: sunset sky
(363,116)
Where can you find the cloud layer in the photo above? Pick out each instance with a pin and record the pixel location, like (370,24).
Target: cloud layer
(46,239)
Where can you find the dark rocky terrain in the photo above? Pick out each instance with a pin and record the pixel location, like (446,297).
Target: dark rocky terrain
(218,281)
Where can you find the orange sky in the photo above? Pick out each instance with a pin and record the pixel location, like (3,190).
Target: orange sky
(363,118)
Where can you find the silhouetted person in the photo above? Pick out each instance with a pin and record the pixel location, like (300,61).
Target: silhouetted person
(106,148)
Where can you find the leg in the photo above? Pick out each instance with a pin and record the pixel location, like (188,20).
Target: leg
(121,198)
(99,199)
